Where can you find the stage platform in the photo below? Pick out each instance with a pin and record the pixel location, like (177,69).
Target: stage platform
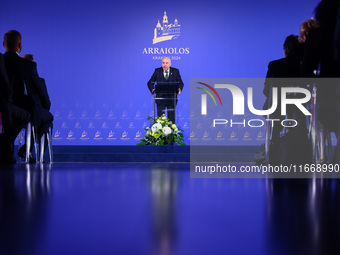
(164,153)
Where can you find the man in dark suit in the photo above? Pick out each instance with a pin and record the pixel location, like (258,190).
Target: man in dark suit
(45,100)
(29,92)
(293,147)
(14,118)
(167,76)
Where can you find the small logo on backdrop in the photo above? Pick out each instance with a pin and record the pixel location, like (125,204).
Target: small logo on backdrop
(111,136)
(260,136)
(111,115)
(233,136)
(246,136)
(84,115)
(57,115)
(98,136)
(193,136)
(186,125)
(98,115)
(165,31)
(206,136)
(57,136)
(84,136)
(70,136)
(124,115)
(138,136)
(70,115)
(219,137)
(138,116)
(125,136)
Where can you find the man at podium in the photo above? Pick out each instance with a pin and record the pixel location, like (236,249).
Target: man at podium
(166,82)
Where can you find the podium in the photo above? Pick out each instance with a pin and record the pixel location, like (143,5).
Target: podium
(165,96)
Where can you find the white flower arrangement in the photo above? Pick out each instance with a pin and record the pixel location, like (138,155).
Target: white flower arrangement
(162,131)
(156,126)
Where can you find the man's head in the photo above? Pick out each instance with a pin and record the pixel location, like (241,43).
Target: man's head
(291,46)
(12,41)
(166,63)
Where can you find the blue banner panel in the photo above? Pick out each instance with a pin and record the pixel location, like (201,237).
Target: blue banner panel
(97,56)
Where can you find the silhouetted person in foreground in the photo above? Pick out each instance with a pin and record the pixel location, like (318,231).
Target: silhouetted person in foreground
(293,146)
(29,92)
(13,118)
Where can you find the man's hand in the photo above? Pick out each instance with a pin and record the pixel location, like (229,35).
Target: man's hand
(179,91)
(152,91)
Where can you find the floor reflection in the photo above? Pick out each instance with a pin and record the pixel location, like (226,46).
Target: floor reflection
(158,209)
(23,211)
(304,216)
(164,188)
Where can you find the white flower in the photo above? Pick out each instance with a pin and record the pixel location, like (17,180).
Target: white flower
(166,130)
(156,127)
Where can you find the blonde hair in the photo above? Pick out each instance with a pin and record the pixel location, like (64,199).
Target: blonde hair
(306,26)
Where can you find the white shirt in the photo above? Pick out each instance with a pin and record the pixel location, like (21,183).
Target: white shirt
(164,72)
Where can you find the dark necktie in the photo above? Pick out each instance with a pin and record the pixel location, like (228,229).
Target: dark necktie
(166,75)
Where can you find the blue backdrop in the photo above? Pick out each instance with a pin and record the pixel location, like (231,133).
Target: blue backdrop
(97,56)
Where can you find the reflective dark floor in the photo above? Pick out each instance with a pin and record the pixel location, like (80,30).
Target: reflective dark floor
(157,209)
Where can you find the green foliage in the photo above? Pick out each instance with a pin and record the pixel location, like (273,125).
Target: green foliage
(162,131)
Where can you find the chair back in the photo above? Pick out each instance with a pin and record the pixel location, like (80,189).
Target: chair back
(0,123)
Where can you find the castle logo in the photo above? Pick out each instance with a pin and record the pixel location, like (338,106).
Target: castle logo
(138,136)
(260,136)
(84,115)
(125,136)
(165,31)
(57,115)
(111,136)
(70,115)
(98,136)
(220,137)
(193,136)
(77,125)
(70,136)
(246,136)
(233,136)
(57,136)
(84,136)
